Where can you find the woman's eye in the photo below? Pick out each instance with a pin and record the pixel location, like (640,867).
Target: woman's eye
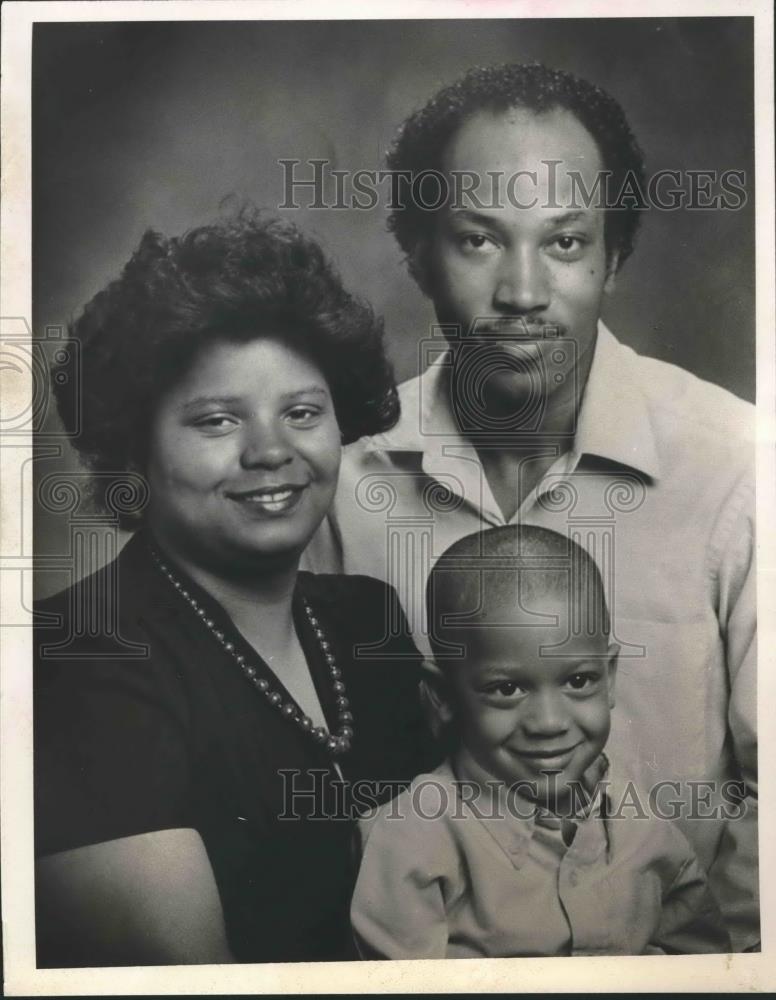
(304,414)
(215,422)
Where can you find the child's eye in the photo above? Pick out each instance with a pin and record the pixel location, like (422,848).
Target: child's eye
(583,681)
(504,689)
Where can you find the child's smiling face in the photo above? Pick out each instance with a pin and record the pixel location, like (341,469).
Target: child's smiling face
(532,702)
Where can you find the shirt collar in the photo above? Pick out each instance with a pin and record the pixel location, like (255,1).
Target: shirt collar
(512,820)
(614,421)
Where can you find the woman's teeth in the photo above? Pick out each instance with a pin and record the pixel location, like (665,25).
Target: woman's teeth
(270,501)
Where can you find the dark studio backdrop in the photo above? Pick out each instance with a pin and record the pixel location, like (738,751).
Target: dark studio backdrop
(153,124)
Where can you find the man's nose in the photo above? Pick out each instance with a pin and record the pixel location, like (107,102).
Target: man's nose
(546,714)
(522,283)
(265,446)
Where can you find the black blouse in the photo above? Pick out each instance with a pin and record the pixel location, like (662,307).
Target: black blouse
(152,725)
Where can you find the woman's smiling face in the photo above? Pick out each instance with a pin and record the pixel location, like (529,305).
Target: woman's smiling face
(244,455)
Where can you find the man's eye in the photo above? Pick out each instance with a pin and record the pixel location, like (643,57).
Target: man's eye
(568,247)
(476,243)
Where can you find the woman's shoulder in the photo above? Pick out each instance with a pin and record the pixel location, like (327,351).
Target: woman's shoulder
(358,595)
(117,595)
(122,581)
(361,588)
(359,606)
(103,632)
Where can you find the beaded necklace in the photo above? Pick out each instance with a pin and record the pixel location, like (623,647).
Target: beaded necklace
(336,744)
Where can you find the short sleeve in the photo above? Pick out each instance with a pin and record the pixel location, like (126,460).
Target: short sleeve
(110,754)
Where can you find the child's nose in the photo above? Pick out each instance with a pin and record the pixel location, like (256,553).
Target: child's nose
(545,714)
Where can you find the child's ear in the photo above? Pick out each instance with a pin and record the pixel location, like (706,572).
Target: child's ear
(437,691)
(611,669)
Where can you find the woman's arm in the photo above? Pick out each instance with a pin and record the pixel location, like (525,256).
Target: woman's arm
(149,899)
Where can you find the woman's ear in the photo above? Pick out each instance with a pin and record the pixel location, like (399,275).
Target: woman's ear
(125,495)
(436,690)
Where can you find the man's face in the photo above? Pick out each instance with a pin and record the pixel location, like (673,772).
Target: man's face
(523,272)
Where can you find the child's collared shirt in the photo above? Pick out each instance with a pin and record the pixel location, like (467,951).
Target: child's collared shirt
(446,875)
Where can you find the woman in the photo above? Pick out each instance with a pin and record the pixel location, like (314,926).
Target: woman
(187,801)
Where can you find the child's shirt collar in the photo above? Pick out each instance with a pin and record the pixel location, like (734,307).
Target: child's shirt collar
(515,823)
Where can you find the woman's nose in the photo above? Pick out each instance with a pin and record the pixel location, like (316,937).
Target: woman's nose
(522,283)
(546,714)
(266,446)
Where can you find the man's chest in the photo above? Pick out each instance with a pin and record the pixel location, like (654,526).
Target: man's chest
(650,544)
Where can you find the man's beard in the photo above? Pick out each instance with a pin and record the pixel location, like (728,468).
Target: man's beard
(503,383)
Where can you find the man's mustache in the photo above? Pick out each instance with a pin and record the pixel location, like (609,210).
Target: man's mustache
(529,327)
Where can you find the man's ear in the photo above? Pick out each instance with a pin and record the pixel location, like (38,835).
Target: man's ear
(419,266)
(611,670)
(437,690)
(612,264)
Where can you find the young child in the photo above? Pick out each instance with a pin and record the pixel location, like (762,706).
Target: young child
(514,845)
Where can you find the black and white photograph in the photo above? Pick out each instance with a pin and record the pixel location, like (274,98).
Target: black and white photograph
(388,470)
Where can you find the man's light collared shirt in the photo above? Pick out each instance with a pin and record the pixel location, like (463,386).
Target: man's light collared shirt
(658,485)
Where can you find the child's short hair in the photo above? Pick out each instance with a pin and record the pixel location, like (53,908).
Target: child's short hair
(511,565)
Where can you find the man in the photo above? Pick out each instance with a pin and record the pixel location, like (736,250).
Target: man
(531,411)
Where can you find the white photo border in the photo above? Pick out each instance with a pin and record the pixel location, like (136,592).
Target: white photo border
(702,974)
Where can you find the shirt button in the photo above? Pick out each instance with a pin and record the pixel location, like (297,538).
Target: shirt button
(573,880)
